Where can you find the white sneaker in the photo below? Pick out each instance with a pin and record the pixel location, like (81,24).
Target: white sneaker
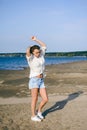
(40,115)
(35,118)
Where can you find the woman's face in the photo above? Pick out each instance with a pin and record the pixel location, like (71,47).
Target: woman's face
(36,52)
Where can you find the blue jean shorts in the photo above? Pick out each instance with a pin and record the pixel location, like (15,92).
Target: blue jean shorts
(36,83)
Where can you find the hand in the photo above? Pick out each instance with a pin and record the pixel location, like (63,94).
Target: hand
(38,41)
(33,38)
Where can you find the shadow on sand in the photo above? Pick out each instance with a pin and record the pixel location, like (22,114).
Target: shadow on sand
(61,104)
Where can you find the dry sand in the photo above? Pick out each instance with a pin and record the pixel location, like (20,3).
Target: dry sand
(67,106)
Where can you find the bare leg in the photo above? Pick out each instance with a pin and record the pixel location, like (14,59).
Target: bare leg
(34,94)
(44,96)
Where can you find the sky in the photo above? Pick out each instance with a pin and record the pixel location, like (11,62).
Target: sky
(61,24)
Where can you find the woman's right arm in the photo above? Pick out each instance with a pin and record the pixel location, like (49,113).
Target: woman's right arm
(28,54)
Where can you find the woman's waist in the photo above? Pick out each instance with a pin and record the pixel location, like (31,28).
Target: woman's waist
(40,75)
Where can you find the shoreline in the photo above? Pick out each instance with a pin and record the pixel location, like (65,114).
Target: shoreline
(48,65)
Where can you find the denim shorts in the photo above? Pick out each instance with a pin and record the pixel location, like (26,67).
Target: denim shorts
(36,83)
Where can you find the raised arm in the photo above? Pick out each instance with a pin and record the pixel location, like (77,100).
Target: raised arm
(38,41)
(28,52)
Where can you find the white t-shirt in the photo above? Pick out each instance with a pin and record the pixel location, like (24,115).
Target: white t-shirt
(37,65)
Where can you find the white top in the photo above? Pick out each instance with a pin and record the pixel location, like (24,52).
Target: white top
(37,65)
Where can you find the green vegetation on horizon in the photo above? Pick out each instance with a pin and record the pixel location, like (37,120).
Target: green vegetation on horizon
(77,53)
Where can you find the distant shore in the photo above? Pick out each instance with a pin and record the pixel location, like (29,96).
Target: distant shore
(74,53)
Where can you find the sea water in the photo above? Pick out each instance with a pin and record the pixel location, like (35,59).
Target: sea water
(19,63)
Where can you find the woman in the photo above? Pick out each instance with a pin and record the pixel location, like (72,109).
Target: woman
(35,57)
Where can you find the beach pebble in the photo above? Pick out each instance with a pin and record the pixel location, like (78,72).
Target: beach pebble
(2,81)
(17,94)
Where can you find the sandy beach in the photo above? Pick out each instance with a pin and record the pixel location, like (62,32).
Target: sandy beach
(67,92)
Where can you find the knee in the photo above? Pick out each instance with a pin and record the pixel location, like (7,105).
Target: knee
(46,100)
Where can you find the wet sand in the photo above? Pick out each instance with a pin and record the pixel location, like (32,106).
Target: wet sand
(67,106)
